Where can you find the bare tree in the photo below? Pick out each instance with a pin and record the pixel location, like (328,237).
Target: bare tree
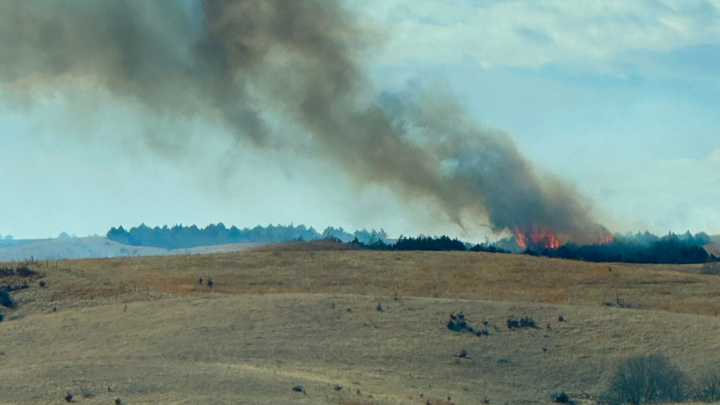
(648,379)
(708,389)
(711,267)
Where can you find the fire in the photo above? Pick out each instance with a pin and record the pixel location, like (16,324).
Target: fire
(520,239)
(543,239)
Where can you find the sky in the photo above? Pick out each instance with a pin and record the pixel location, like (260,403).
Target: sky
(618,98)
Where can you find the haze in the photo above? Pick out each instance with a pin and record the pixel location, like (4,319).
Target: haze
(617,99)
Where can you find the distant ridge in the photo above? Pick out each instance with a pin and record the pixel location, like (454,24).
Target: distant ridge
(96,247)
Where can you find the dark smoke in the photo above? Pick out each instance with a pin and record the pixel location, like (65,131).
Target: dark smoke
(234,62)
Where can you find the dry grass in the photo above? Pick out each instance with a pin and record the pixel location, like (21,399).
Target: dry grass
(279,317)
(313,268)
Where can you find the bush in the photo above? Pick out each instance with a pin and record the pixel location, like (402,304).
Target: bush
(25,271)
(648,379)
(457,326)
(708,390)
(16,287)
(1,316)
(528,322)
(711,267)
(562,398)
(525,322)
(6,300)
(483,332)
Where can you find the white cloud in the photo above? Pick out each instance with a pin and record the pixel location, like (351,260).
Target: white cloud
(668,195)
(599,35)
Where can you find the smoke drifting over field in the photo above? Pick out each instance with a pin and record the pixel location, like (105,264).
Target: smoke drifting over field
(236,62)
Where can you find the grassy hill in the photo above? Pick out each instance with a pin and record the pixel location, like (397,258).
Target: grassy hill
(306,314)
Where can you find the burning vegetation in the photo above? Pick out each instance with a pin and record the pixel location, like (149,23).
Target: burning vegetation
(544,239)
(537,240)
(638,248)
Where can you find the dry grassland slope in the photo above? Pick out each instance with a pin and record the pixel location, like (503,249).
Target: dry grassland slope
(144,330)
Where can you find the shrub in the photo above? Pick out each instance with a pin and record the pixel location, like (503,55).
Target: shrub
(648,379)
(528,322)
(525,322)
(456,326)
(711,267)
(17,287)
(1,316)
(25,271)
(6,300)
(460,326)
(708,390)
(562,398)
(484,332)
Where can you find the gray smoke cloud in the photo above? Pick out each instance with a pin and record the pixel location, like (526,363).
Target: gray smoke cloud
(233,62)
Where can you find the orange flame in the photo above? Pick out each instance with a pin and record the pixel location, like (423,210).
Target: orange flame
(520,239)
(545,239)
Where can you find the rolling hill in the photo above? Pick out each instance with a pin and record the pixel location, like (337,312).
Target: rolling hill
(145,330)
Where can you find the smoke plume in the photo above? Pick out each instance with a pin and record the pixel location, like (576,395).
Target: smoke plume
(235,62)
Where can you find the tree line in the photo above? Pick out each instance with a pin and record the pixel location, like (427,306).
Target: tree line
(182,237)
(436,243)
(639,248)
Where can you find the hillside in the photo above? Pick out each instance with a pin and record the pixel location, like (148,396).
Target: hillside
(96,247)
(306,314)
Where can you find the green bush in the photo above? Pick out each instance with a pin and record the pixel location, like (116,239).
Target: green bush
(528,322)
(1,316)
(524,322)
(562,398)
(483,332)
(648,380)
(456,326)
(6,300)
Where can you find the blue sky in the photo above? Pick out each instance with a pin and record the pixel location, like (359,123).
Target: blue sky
(621,98)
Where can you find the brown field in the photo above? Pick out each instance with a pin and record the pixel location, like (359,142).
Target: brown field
(306,314)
